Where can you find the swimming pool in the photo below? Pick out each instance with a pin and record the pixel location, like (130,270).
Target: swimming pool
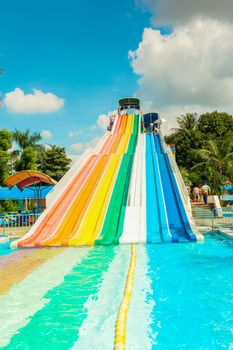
(68,298)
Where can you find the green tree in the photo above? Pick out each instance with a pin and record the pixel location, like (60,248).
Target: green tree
(27,160)
(25,139)
(26,157)
(55,162)
(5,145)
(187,138)
(215,126)
(8,206)
(216,162)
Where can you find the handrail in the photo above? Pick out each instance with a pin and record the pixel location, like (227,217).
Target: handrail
(222,218)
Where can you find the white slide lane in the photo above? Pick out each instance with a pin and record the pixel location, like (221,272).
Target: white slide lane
(134,229)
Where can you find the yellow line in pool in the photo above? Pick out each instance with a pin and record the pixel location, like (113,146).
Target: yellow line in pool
(120,326)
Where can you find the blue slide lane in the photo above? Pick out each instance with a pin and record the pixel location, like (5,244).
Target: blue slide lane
(156,216)
(177,218)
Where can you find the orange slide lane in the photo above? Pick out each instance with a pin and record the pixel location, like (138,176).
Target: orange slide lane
(69,225)
(51,221)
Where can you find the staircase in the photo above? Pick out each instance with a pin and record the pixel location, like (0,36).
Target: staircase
(202,213)
(201,205)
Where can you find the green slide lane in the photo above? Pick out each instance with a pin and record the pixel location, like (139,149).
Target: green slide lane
(114,221)
(56,325)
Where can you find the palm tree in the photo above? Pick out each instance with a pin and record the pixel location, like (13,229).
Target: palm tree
(29,149)
(24,139)
(216,160)
(187,124)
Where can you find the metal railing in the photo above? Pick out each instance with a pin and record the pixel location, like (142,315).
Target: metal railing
(215,219)
(222,218)
(16,224)
(203,217)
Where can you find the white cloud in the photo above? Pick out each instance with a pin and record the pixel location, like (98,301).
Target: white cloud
(38,102)
(46,134)
(103,120)
(80,147)
(75,133)
(173,12)
(190,68)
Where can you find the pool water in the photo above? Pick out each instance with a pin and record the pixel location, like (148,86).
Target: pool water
(68,298)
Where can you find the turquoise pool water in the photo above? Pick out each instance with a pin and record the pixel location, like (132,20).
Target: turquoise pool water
(4,249)
(182,299)
(193,290)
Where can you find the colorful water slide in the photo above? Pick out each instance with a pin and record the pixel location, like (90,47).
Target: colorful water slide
(113,225)
(156,213)
(80,182)
(178,220)
(134,229)
(123,191)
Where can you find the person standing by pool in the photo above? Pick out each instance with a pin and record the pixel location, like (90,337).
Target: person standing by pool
(196,194)
(206,190)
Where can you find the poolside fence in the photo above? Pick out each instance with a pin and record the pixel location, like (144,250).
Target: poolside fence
(16,225)
(216,219)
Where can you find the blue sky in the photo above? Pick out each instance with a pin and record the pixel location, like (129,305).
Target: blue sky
(78,50)
(181,61)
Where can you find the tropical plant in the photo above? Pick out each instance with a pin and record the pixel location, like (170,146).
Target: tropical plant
(25,139)
(215,125)
(26,157)
(5,145)
(187,123)
(55,162)
(27,160)
(187,138)
(216,162)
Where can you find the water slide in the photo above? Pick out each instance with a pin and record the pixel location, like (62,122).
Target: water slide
(122,191)
(156,213)
(134,229)
(178,220)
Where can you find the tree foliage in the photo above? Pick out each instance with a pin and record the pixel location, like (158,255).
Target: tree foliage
(8,206)
(27,156)
(5,145)
(216,161)
(5,139)
(187,138)
(55,162)
(204,148)
(27,160)
(216,125)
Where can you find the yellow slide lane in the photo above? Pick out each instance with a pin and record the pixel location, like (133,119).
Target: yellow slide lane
(74,216)
(85,233)
(78,208)
(92,223)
